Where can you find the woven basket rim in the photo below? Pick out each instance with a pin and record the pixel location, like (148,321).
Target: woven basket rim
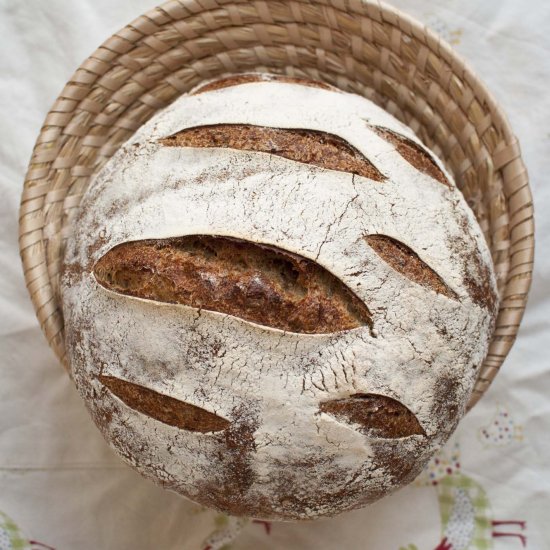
(45,200)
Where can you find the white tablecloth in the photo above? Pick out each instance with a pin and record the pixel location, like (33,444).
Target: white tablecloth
(62,486)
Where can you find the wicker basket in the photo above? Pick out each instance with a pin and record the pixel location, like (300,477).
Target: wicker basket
(360,46)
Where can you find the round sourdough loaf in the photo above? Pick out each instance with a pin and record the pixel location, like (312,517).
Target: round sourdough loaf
(276,300)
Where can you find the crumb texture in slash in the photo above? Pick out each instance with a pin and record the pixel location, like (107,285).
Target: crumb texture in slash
(414,154)
(377,415)
(164,408)
(258,283)
(407,262)
(308,146)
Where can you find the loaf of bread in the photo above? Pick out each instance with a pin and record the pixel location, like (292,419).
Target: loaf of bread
(276,300)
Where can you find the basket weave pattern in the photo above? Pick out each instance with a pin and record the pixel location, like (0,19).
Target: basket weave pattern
(359,46)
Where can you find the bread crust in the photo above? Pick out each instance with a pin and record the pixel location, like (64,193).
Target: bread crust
(297,444)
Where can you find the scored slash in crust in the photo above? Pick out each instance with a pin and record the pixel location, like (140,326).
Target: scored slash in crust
(407,262)
(256,282)
(164,408)
(374,415)
(307,146)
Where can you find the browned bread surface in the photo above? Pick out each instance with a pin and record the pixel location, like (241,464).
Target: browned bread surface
(258,283)
(378,415)
(164,408)
(406,261)
(414,155)
(307,146)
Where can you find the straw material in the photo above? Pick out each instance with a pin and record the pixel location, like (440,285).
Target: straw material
(360,46)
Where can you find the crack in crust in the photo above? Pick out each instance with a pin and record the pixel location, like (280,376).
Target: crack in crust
(258,283)
(405,261)
(307,146)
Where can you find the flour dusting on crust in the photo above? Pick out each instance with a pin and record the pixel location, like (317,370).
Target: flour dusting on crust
(281,457)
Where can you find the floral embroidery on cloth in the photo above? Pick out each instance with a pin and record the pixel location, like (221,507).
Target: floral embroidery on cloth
(228,529)
(11,537)
(465,510)
(465,513)
(502,429)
